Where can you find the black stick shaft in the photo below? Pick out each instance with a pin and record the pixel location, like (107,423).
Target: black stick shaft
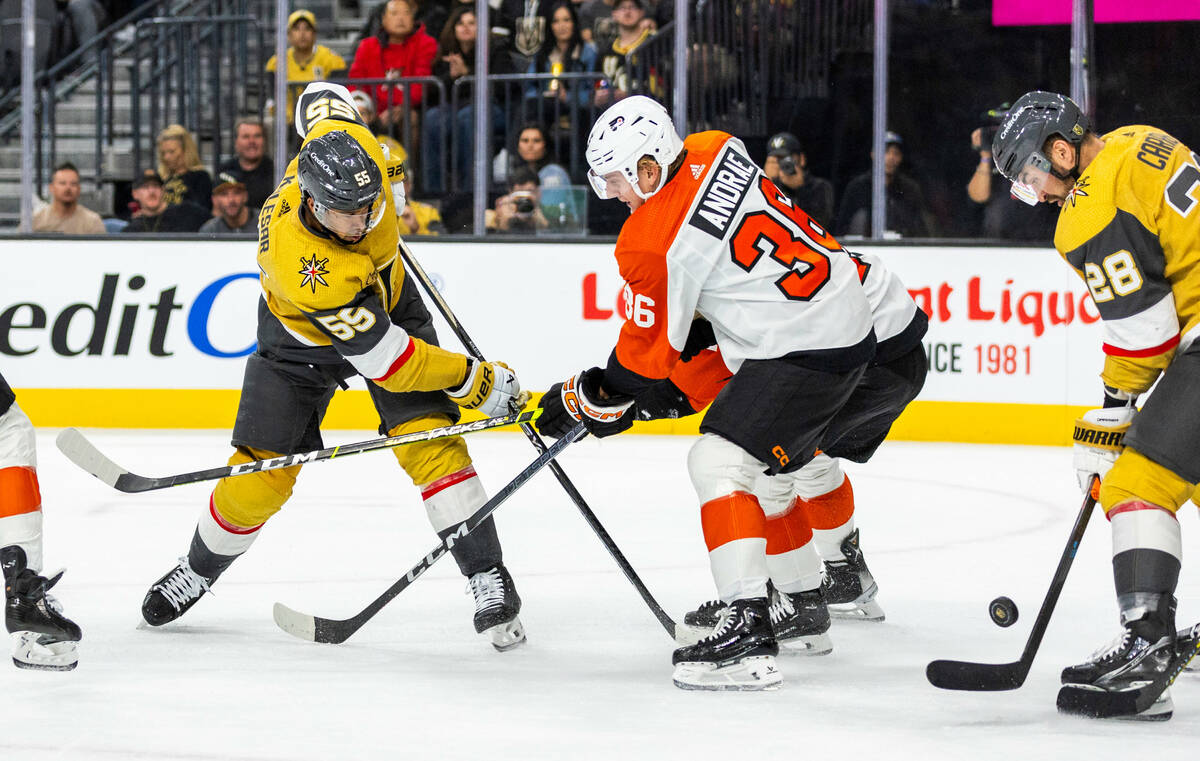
(414,267)
(963,675)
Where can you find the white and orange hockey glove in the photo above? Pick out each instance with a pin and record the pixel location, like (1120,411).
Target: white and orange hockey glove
(580,399)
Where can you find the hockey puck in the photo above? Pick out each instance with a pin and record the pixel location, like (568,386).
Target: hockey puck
(1003,611)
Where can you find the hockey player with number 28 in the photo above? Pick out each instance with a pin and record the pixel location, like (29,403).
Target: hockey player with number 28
(1130,227)
(336,302)
(709,234)
(42,637)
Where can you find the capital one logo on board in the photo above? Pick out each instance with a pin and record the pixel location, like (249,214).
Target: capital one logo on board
(126,316)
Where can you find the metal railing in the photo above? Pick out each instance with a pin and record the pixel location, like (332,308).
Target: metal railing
(176,51)
(95,62)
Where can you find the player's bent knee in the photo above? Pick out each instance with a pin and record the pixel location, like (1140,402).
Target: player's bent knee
(427,461)
(251,499)
(820,476)
(719,467)
(1136,477)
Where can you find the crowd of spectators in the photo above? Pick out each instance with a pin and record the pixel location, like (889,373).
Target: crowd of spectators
(412,77)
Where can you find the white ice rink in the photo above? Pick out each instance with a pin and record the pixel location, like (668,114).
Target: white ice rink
(945,528)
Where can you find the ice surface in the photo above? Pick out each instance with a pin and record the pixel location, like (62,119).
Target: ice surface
(946,528)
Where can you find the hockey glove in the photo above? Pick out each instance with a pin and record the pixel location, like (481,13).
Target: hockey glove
(662,400)
(1099,439)
(490,387)
(700,337)
(579,399)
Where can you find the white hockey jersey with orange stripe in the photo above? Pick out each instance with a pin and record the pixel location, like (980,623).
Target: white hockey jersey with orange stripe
(720,240)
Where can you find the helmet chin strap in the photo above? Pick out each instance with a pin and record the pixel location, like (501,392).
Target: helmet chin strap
(1073,175)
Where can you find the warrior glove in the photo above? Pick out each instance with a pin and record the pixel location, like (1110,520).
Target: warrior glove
(1099,439)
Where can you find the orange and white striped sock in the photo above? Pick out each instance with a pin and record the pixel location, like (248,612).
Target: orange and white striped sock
(831,516)
(792,557)
(735,532)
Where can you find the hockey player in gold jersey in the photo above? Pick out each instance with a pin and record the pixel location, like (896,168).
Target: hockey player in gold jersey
(335,303)
(1130,227)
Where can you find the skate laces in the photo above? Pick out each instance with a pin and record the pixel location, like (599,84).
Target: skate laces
(488,588)
(781,606)
(183,585)
(726,621)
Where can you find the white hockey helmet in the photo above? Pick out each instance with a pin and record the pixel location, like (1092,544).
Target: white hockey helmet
(628,130)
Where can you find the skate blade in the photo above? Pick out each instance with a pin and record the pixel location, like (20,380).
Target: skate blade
(754,674)
(29,653)
(507,635)
(809,644)
(866,610)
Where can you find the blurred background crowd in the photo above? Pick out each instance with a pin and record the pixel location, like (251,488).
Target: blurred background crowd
(158,116)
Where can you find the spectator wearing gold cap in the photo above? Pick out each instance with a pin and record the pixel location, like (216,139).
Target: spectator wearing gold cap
(306,60)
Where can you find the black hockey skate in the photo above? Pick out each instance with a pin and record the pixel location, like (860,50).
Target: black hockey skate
(45,637)
(849,587)
(706,616)
(738,655)
(174,594)
(801,622)
(496,607)
(1146,650)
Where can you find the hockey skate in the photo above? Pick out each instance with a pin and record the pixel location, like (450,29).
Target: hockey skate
(1182,639)
(496,607)
(801,622)
(849,587)
(1146,650)
(44,639)
(738,655)
(174,594)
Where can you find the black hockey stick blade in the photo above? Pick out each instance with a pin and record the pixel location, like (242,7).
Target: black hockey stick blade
(83,453)
(335,631)
(976,677)
(1095,703)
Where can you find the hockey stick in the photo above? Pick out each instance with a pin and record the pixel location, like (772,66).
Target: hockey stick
(963,675)
(1102,704)
(333,631)
(83,453)
(668,623)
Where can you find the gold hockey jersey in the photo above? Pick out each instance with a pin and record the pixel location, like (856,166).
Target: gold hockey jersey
(1131,228)
(325,293)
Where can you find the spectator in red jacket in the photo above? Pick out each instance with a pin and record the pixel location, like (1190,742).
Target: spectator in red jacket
(402,49)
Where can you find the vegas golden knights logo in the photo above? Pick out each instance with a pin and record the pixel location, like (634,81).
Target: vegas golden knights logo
(531,32)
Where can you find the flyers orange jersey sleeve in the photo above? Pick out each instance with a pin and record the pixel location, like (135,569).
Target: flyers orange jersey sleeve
(325,294)
(1131,228)
(720,240)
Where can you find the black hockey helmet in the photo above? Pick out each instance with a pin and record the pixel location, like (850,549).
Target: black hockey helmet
(1035,118)
(343,181)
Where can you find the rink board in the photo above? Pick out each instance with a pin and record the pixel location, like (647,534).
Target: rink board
(135,333)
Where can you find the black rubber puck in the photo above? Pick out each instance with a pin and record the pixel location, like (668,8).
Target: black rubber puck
(1003,611)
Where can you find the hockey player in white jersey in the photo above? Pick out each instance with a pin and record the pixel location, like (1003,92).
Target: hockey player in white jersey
(43,638)
(710,235)
(820,493)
